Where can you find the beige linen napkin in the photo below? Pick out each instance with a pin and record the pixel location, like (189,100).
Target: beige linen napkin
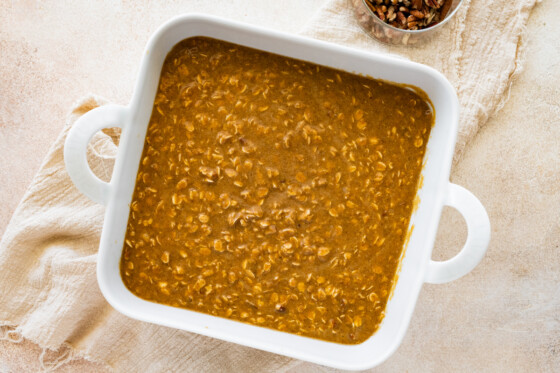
(48,289)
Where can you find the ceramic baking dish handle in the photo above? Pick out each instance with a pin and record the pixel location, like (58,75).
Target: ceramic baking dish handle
(76,144)
(478,238)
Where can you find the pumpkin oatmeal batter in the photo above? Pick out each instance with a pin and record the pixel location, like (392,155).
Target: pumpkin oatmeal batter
(274,191)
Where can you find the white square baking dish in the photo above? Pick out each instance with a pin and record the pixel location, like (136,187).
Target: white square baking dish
(416,266)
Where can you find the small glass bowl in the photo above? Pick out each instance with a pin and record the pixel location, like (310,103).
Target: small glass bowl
(379,30)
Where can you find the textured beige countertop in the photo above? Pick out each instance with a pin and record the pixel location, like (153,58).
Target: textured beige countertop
(504,316)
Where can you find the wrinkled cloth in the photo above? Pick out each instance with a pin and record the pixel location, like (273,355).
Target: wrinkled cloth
(48,287)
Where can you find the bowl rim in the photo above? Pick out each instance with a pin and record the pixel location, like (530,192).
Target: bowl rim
(414,32)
